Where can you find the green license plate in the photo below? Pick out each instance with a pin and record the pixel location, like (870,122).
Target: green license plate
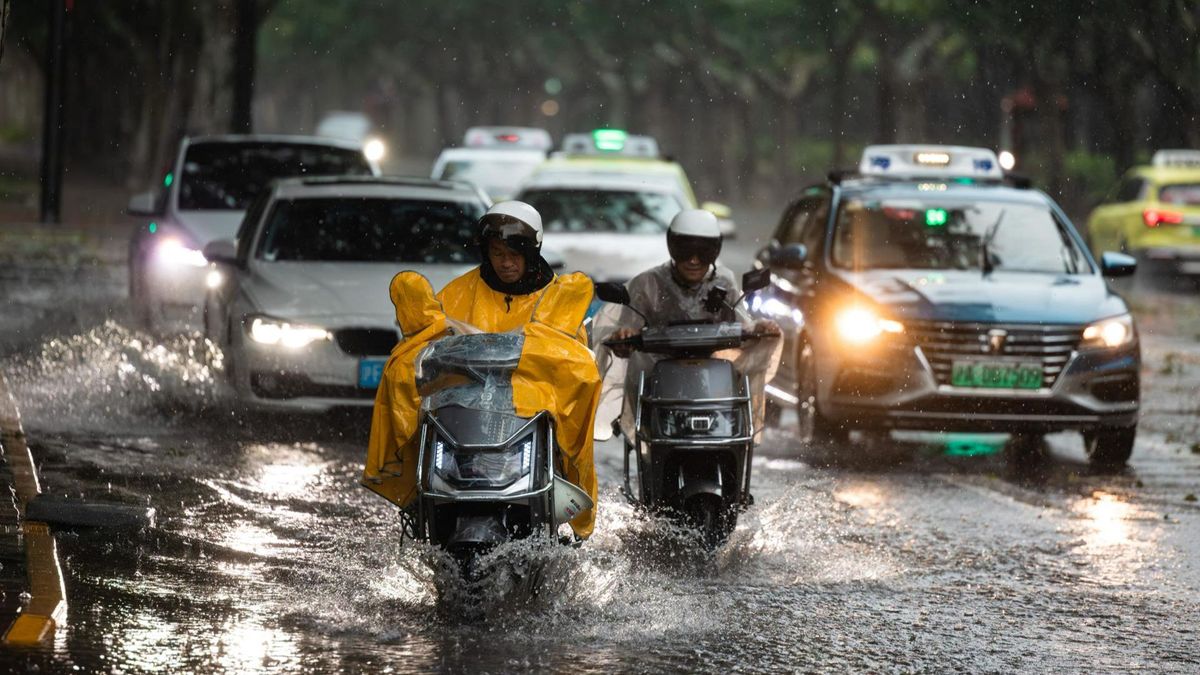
(996,375)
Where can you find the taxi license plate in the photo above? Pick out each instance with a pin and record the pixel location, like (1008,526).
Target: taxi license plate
(370,373)
(996,375)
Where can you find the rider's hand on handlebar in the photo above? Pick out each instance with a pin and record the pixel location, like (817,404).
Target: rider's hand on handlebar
(624,351)
(767,328)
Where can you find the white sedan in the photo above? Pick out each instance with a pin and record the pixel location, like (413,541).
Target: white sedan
(300,302)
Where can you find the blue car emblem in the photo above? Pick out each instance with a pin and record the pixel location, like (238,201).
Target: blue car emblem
(881,162)
(983,164)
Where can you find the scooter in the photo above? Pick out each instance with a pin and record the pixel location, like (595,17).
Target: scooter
(694,421)
(485,474)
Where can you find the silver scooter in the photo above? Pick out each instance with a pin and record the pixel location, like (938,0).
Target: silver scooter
(485,474)
(694,419)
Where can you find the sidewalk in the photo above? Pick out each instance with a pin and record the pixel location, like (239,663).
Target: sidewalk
(31,579)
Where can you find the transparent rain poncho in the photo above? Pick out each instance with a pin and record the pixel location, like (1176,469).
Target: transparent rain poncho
(664,300)
(474,372)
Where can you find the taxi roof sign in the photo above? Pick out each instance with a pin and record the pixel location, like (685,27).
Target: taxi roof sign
(930,161)
(1189,159)
(528,138)
(610,142)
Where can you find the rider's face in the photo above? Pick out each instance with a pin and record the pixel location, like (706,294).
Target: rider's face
(508,262)
(692,269)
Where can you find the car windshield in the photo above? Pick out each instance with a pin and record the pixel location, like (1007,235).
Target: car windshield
(227,176)
(371,230)
(873,233)
(497,177)
(1181,194)
(577,210)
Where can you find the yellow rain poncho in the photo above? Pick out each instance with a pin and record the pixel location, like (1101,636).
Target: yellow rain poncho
(395,420)
(556,372)
(470,300)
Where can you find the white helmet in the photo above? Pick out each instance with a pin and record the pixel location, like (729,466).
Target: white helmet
(694,233)
(695,223)
(516,223)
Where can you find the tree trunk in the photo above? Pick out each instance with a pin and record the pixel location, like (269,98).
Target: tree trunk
(244,58)
(4,9)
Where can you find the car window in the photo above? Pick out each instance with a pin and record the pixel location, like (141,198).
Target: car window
(945,234)
(1182,194)
(346,229)
(580,210)
(1130,190)
(228,176)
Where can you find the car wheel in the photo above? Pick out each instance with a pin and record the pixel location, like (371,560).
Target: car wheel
(1024,450)
(814,429)
(1109,448)
(139,302)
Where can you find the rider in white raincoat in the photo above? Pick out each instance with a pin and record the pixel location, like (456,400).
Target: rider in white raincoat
(678,290)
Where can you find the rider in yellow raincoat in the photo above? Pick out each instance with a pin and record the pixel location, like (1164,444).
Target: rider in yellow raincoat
(514,289)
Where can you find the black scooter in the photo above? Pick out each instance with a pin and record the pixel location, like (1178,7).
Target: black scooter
(486,475)
(694,420)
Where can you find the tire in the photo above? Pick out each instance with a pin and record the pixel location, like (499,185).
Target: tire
(139,304)
(814,429)
(1109,448)
(1024,450)
(712,519)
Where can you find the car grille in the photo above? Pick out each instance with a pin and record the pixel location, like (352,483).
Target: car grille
(366,341)
(942,342)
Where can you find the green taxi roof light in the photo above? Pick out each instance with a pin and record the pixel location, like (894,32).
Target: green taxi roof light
(153,227)
(936,217)
(610,140)
(168,179)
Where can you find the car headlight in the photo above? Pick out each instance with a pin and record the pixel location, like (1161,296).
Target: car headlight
(268,331)
(682,423)
(374,149)
(174,253)
(483,468)
(1109,333)
(859,325)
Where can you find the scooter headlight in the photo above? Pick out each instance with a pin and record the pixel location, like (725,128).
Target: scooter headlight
(483,468)
(682,423)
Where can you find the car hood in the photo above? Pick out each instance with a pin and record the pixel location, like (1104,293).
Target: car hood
(334,293)
(206,226)
(605,256)
(1002,297)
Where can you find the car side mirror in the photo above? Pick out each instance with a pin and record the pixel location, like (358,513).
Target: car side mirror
(611,291)
(143,204)
(221,251)
(791,256)
(755,280)
(1117,264)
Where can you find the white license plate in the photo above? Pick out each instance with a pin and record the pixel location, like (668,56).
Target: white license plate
(370,373)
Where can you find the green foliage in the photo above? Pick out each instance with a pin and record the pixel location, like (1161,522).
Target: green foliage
(1090,176)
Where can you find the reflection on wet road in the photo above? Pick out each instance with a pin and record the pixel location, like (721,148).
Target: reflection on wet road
(930,552)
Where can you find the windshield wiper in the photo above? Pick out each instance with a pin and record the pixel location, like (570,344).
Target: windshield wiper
(985,264)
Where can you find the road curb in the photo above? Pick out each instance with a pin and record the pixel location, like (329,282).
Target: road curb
(47,605)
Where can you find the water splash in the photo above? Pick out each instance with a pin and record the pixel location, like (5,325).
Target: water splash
(111,376)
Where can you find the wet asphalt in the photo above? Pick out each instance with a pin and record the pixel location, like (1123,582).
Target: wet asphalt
(920,553)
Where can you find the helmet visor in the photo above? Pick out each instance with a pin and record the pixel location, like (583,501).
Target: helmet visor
(683,248)
(500,226)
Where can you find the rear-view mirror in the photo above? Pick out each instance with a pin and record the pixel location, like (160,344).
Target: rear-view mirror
(610,291)
(1117,264)
(143,204)
(221,251)
(755,280)
(789,256)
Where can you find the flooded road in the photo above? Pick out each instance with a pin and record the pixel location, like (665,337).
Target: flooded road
(926,552)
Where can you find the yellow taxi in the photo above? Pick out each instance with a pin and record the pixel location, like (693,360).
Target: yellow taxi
(1154,216)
